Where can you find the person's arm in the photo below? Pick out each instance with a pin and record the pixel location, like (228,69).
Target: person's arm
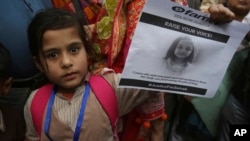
(129,98)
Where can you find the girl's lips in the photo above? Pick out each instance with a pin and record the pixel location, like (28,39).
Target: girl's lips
(70,76)
(182,54)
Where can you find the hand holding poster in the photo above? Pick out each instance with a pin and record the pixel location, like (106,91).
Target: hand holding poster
(176,49)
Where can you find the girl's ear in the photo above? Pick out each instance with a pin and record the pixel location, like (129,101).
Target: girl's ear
(6,86)
(38,64)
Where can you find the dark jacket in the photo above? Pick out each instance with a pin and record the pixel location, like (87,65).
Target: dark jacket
(14,124)
(241,87)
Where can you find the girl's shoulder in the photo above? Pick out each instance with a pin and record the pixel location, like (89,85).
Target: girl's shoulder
(111,76)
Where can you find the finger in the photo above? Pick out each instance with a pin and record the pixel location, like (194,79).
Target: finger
(219,13)
(214,11)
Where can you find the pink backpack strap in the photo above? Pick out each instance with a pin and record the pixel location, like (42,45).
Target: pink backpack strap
(38,105)
(105,93)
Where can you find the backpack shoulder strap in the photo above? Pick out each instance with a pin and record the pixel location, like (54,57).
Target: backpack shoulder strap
(38,105)
(105,94)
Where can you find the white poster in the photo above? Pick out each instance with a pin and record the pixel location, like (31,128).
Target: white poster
(176,49)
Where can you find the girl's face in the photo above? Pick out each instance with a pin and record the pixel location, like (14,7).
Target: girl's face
(183,49)
(63,58)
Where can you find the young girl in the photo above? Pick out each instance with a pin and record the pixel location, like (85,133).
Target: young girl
(59,48)
(180,55)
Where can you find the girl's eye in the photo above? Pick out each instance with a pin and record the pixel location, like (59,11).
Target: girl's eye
(52,55)
(180,47)
(189,48)
(74,49)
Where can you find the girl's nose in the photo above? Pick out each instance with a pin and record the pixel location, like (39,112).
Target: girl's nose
(66,62)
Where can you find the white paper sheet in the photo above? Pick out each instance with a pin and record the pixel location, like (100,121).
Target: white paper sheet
(163,21)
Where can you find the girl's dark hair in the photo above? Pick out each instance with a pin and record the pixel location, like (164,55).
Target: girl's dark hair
(5,62)
(171,50)
(50,19)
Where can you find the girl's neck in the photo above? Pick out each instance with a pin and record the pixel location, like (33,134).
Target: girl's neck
(66,93)
(178,61)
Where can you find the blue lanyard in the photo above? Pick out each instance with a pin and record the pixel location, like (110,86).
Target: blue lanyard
(80,117)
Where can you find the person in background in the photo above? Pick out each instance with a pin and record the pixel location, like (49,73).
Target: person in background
(246,19)
(236,109)
(213,106)
(12,126)
(15,16)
